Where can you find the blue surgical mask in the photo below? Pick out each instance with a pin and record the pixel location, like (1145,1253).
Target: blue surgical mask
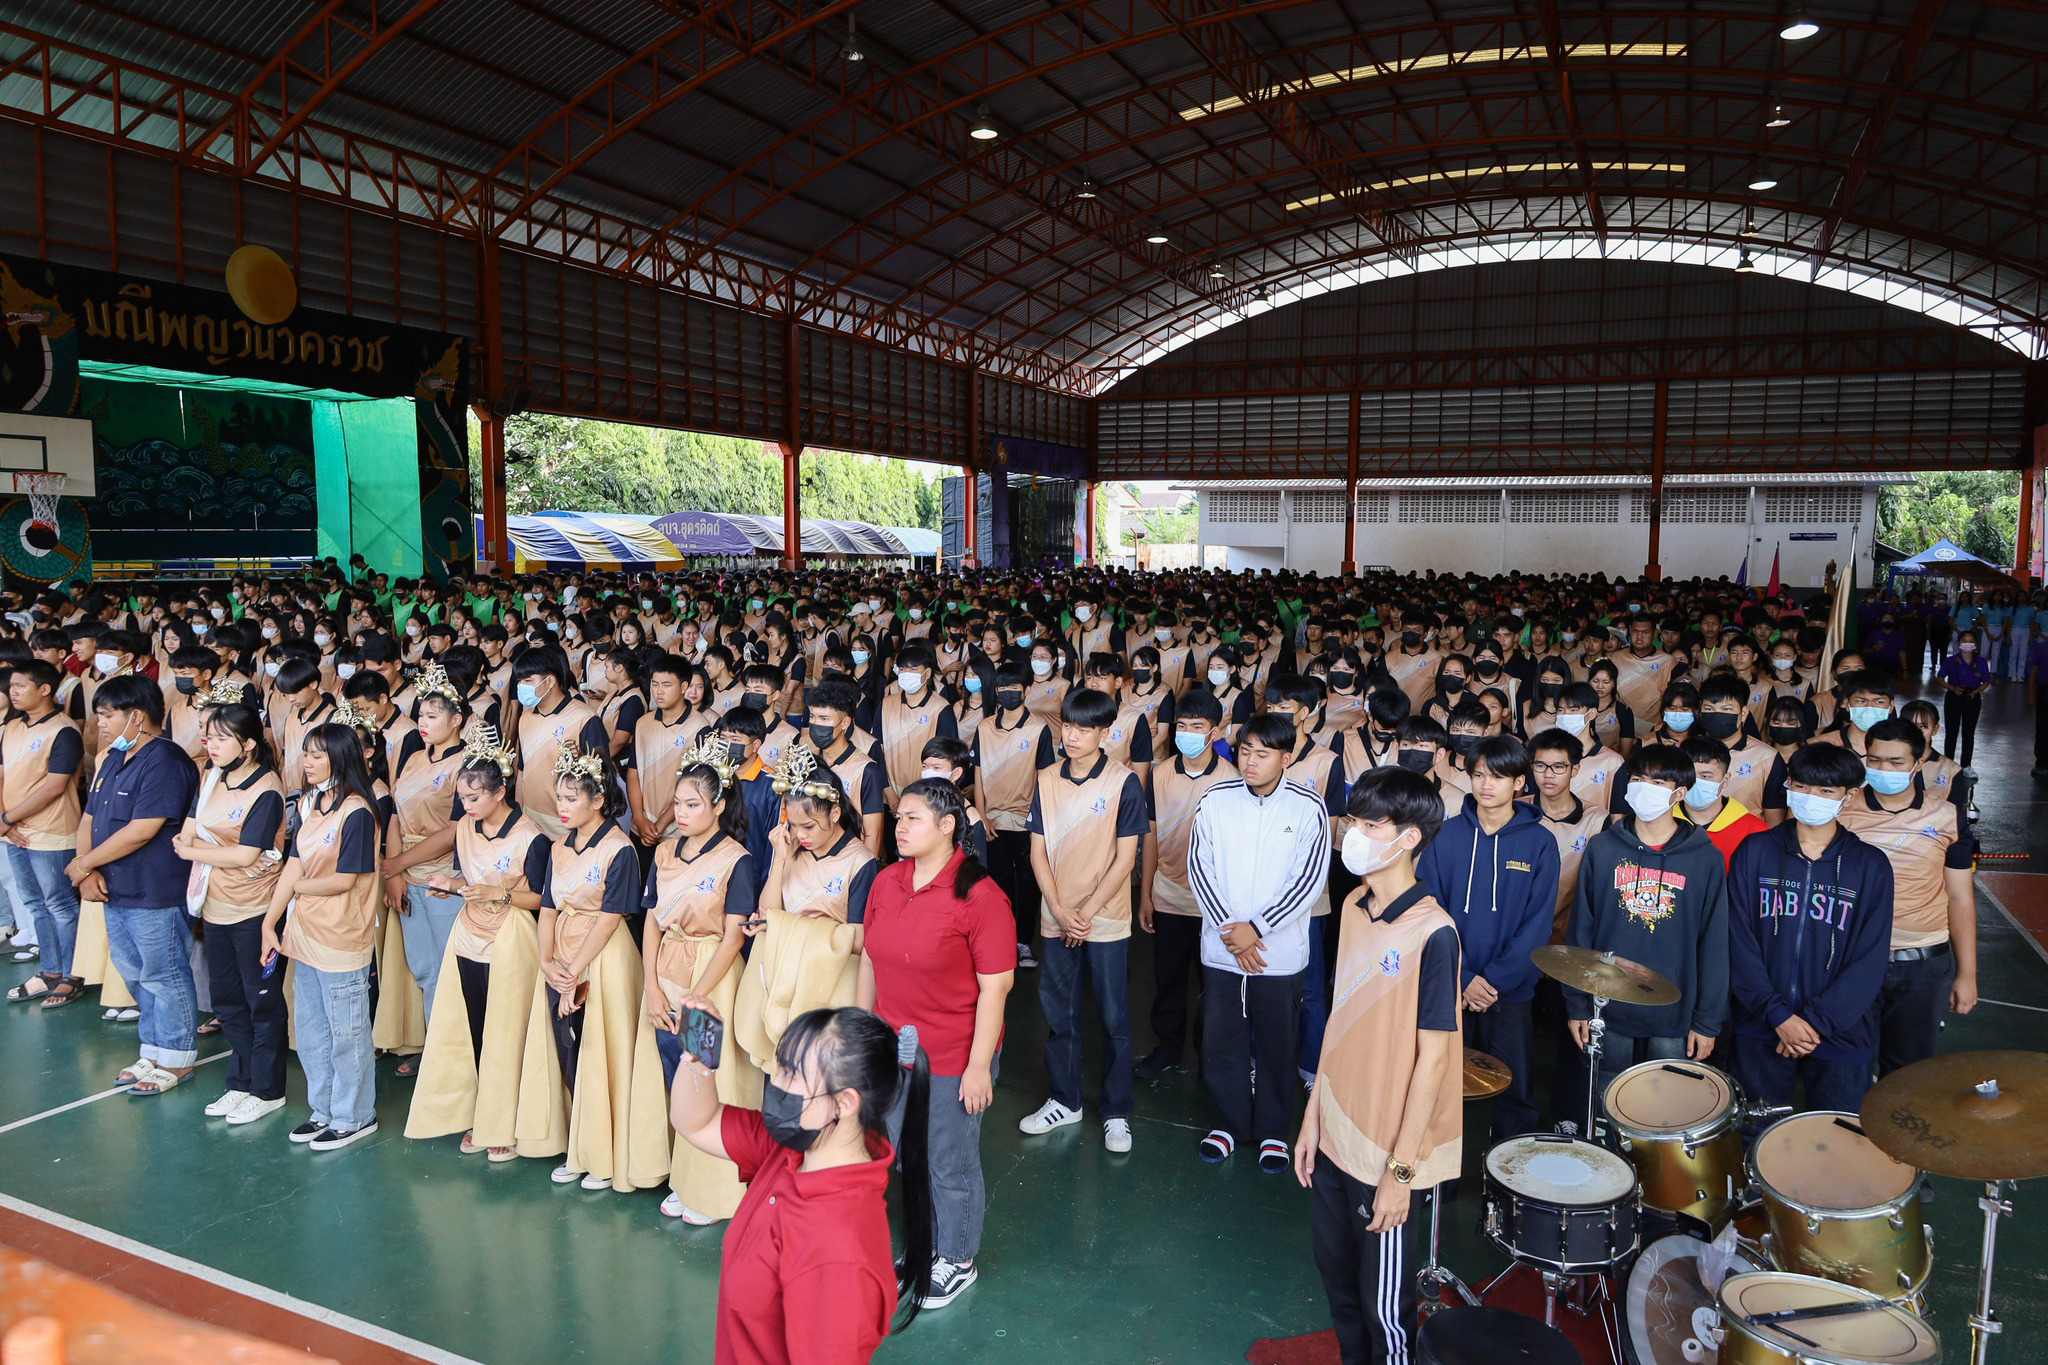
(1809,809)
(527,695)
(973,683)
(860,656)
(1023,642)
(1702,792)
(121,743)
(1678,722)
(1863,717)
(1189,743)
(1886,783)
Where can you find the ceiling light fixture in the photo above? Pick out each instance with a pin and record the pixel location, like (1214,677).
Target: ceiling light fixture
(1260,293)
(1749,225)
(983,129)
(1744,265)
(851,52)
(1157,236)
(1779,118)
(1216,271)
(1087,190)
(1798,28)
(1762,178)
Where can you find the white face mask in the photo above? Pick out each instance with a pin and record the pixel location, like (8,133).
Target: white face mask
(270,632)
(910,680)
(939,774)
(217,612)
(1162,633)
(1364,855)
(106,663)
(270,669)
(344,671)
(1042,667)
(1782,665)
(1649,801)
(1218,677)
(323,639)
(1084,614)
(917,613)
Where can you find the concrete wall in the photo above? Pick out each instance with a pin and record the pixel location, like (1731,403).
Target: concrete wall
(1705,531)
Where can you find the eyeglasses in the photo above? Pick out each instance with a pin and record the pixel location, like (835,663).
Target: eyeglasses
(1551,769)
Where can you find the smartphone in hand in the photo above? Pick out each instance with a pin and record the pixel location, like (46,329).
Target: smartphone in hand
(702,1036)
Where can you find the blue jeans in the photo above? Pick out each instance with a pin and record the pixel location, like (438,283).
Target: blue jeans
(46,893)
(425,931)
(1772,1079)
(152,950)
(331,1011)
(1059,995)
(1315,1001)
(670,1046)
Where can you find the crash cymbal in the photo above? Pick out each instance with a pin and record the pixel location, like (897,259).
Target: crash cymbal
(1484,1075)
(1604,974)
(1973,1115)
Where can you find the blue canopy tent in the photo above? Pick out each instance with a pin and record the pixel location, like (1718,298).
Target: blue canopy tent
(702,533)
(1946,559)
(566,541)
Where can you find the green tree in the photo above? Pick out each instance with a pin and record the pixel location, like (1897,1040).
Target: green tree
(1977,509)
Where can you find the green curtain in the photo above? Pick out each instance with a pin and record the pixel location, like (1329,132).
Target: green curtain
(367,466)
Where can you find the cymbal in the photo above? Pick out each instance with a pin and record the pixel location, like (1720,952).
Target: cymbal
(1484,1075)
(1973,1115)
(1604,974)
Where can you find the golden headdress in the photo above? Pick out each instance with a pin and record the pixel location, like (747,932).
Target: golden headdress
(485,745)
(573,762)
(225,692)
(433,681)
(347,713)
(796,774)
(711,754)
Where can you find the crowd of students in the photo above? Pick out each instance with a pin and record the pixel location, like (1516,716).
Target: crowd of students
(512,829)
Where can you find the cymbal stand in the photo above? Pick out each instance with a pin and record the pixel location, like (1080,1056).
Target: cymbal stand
(1596,1027)
(1431,1280)
(1984,1323)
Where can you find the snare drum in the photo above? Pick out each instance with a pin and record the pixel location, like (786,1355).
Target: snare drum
(1680,1124)
(1884,1334)
(1838,1207)
(1560,1203)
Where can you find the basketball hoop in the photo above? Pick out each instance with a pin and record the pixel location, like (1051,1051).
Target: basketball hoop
(42,491)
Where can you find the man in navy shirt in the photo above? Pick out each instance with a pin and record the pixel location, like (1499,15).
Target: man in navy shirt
(140,793)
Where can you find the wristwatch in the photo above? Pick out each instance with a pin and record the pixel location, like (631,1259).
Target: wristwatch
(1404,1174)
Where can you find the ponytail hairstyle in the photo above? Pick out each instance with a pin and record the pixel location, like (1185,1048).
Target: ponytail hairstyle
(855,1050)
(944,800)
(593,772)
(345,754)
(244,722)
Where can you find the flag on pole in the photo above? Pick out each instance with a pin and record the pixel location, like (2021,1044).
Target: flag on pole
(1742,574)
(1775,586)
(1839,620)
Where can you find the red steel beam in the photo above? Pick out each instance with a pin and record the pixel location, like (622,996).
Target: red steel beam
(328,33)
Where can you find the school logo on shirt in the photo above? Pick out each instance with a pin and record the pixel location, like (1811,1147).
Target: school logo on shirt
(1022,745)
(1648,895)
(1745,770)
(592,875)
(36,745)
(1116,734)
(707,884)
(235,814)
(1579,844)
(1929,832)
(1101,806)
(439,778)
(1600,779)
(504,863)
(561,731)
(328,837)
(1390,965)
(834,885)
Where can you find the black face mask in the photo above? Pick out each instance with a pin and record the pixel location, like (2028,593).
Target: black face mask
(1785,734)
(1464,745)
(1411,638)
(1549,689)
(1009,698)
(1453,683)
(753,701)
(1486,668)
(1720,724)
(1383,737)
(1416,760)
(782,1115)
(735,752)
(187,685)
(1341,681)
(1141,675)
(821,737)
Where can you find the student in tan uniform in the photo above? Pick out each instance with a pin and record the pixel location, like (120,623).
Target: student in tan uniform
(1129,739)
(550,718)
(40,755)
(1047,688)
(661,737)
(701,898)
(1756,775)
(1598,781)
(910,715)
(1087,818)
(189,678)
(1642,672)
(1153,695)
(304,708)
(828,731)
(1010,748)
(1385,1118)
(1553,767)
(421,840)
(1413,665)
(1425,749)
(236,833)
(1932,971)
(1166,902)
(329,881)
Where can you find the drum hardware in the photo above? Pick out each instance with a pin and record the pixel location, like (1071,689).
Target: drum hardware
(1974,1116)
(1485,1076)
(1605,977)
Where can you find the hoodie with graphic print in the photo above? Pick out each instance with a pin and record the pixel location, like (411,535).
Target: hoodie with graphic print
(1811,937)
(1666,908)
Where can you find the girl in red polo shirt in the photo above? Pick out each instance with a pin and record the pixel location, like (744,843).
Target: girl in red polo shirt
(807,1272)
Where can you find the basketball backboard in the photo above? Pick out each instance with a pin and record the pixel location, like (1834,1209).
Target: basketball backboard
(47,445)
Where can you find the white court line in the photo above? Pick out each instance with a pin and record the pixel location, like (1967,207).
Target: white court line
(1987,1000)
(369,1331)
(1985,893)
(91,1099)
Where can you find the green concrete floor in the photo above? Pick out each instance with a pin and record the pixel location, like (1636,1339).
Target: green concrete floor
(1147,1257)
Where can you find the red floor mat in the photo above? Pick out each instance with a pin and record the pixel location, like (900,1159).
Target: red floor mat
(2024,898)
(1520,1292)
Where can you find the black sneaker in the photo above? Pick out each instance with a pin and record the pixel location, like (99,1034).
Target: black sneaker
(334,1139)
(948,1281)
(1155,1065)
(307,1131)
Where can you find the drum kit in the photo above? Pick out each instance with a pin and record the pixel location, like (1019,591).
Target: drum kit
(1804,1249)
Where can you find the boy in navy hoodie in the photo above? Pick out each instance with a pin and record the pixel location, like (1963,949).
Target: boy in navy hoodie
(1654,889)
(1809,942)
(1494,867)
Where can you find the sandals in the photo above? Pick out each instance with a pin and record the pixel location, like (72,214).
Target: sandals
(468,1145)
(66,990)
(134,1071)
(158,1080)
(26,955)
(208,1029)
(122,1016)
(409,1067)
(42,983)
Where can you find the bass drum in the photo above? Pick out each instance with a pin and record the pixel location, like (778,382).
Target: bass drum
(1776,1318)
(1666,1295)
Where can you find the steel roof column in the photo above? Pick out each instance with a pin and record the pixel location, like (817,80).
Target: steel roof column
(792,446)
(2027,547)
(1088,539)
(1350,563)
(970,476)
(490,409)
(1653,571)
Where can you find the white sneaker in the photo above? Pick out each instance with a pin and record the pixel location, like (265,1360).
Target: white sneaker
(1116,1134)
(673,1207)
(565,1175)
(252,1109)
(596,1182)
(1052,1114)
(227,1104)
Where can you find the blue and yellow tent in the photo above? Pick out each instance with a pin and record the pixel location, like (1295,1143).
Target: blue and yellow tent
(565,541)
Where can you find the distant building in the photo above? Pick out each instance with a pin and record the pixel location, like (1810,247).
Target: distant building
(1548,524)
